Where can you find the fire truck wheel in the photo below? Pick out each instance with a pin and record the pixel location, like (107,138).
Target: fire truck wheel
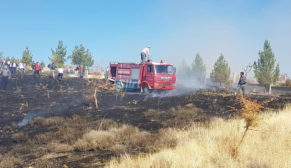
(145,89)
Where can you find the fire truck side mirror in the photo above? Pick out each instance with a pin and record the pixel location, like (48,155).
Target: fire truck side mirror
(174,70)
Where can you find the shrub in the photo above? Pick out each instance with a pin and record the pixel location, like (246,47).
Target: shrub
(287,83)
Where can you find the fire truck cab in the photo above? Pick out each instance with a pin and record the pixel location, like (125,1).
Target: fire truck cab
(144,77)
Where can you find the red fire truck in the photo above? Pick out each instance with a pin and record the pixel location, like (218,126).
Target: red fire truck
(144,77)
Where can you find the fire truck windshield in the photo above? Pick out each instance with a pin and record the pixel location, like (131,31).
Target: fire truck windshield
(164,69)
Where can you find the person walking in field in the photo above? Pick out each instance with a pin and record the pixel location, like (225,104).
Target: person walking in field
(37,69)
(145,55)
(52,68)
(13,68)
(8,65)
(21,69)
(33,65)
(80,69)
(241,83)
(60,73)
(6,74)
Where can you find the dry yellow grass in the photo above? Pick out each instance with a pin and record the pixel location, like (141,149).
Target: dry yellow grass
(8,161)
(59,147)
(267,145)
(19,137)
(125,139)
(112,139)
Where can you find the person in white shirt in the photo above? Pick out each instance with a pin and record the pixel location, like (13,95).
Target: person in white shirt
(145,54)
(21,68)
(21,65)
(13,68)
(60,73)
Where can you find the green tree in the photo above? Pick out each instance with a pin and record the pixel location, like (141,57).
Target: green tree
(221,70)
(59,55)
(198,68)
(82,57)
(184,71)
(27,56)
(264,69)
(42,64)
(13,59)
(7,58)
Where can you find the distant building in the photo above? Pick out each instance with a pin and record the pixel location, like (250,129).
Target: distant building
(283,78)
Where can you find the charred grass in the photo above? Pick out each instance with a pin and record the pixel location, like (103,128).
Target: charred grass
(179,117)
(63,138)
(92,140)
(56,140)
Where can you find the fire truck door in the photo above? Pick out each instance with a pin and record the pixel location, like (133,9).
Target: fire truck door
(149,75)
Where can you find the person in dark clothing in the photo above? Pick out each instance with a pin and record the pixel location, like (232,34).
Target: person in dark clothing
(241,83)
(53,68)
(33,65)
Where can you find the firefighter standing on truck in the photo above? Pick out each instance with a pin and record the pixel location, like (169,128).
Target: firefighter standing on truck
(145,55)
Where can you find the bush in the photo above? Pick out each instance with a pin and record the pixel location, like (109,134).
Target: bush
(287,83)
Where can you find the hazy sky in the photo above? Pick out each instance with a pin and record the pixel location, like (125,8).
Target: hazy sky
(117,30)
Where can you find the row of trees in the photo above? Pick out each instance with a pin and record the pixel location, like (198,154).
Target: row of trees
(264,68)
(12,59)
(80,56)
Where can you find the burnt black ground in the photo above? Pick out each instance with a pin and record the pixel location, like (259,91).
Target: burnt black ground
(47,97)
